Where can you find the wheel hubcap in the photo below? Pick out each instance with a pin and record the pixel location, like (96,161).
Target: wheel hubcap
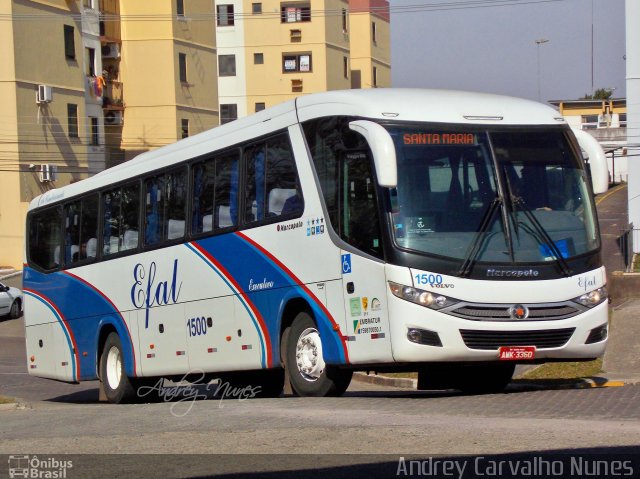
(309,355)
(114,367)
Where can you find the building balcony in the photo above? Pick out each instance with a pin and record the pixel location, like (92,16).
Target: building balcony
(112,97)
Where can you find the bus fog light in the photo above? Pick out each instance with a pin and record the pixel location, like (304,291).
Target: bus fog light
(414,335)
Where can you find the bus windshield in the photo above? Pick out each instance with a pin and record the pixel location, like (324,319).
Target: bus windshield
(498,195)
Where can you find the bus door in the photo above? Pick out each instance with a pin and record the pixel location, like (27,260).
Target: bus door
(363,277)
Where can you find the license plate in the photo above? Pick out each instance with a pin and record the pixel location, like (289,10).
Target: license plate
(516,353)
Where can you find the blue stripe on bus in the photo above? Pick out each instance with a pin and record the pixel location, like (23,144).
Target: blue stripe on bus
(263,360)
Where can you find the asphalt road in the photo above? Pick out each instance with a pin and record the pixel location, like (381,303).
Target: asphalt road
(320,435)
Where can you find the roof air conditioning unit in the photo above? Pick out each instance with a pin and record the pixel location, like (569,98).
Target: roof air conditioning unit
(44,94)
(48,173)
(113,117)
(111,50)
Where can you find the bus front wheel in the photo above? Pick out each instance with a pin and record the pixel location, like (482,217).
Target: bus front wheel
(117,386)
(308,373)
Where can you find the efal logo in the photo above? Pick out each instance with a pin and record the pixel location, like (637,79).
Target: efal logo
(146,292)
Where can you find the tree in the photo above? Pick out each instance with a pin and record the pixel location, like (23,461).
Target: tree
(599,94)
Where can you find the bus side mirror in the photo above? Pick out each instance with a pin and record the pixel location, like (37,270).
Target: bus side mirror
(383,149)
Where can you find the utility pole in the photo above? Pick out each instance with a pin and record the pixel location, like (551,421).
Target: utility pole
(539,42)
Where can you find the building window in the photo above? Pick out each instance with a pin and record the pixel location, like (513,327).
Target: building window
(69,42)
(345,25)
(374,33)
(295,13)
(95,133)
(182,65)
(228,113)
(184,128)
(260,106)
(256,8)
(227,65)
(296,85)
(72,120)
(296,63)
(225,15)
(258,58)
(374,77)
(296,36)
(180,8)
(90,59)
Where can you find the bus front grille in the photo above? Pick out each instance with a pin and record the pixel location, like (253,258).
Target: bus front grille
(500,312)
(492,340)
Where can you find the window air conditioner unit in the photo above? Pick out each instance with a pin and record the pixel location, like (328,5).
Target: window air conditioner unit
(604,121)
(113,117)
(48,173)
(44,94)
(111,50)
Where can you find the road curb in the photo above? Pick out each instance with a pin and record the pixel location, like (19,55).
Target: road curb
(8,406)
(518,384)
(380,380)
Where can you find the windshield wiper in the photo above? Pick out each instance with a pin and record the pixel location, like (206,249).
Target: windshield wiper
(479,239)
(542,235)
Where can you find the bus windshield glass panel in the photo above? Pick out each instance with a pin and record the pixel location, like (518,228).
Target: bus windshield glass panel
(448,201)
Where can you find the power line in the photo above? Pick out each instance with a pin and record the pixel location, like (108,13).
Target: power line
(395,9)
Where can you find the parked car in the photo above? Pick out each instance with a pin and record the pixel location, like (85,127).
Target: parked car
(11,301)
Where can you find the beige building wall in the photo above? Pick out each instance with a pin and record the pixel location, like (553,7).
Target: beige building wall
(39,133)
(369,55)
(155,99)
(322,38)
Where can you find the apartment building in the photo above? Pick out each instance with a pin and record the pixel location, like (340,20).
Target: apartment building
(87,84)
(606,121)
(275,50)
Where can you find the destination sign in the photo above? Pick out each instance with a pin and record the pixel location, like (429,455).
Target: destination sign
(439,139)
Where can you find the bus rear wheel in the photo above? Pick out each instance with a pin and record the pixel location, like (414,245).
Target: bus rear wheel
(115,382)
(307,371)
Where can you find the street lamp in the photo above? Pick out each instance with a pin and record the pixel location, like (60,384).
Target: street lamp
(539,42)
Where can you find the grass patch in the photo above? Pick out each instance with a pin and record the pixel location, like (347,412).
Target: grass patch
(6,400)
(566,370)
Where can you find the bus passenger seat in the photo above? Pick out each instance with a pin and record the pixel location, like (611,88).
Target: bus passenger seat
(277,199)
(224,216)
(92,246)
(176,229)
(130,239)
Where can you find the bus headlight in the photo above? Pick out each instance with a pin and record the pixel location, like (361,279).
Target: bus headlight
(421,297)
(593,298)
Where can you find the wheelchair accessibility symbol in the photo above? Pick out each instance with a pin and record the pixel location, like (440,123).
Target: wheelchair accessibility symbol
(346,263)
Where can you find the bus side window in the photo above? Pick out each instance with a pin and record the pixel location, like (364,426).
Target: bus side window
(72,232)
(272,180)
(283,193)
(215,193)
(44,238)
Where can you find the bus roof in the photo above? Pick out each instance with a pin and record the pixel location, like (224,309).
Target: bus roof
(441,106)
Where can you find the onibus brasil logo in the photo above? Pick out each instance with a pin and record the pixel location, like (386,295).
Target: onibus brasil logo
(38,467)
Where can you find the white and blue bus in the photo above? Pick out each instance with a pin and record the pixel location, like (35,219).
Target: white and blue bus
(448,233)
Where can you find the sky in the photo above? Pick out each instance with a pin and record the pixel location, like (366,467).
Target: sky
(493,49)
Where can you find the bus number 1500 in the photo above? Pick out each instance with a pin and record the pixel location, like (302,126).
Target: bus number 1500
(197,326)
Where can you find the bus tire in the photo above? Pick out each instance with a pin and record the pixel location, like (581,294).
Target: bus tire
(117,386)
(305,366)
(485,378)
